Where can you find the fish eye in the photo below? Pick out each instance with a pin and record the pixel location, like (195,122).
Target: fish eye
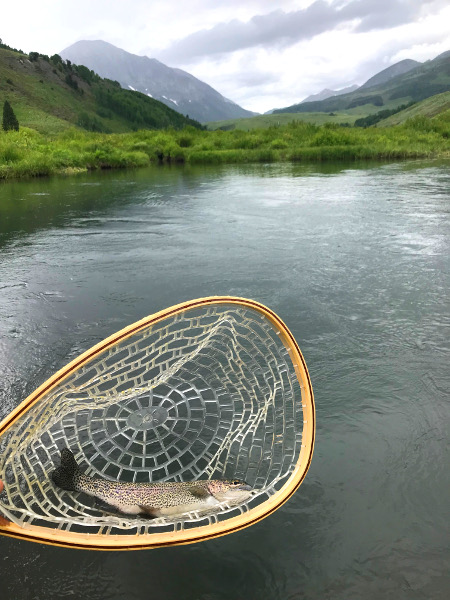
(236,481)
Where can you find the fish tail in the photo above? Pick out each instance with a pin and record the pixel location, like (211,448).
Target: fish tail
(65,476)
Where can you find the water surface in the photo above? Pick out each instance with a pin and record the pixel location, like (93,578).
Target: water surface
(355,261)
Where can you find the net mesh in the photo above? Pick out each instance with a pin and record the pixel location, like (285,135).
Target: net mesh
(208,393)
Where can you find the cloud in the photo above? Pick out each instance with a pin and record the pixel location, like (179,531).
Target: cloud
(281,29)
(333,59)
(248,51)
(251,78)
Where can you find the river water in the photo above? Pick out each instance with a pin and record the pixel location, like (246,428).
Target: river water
(356,261)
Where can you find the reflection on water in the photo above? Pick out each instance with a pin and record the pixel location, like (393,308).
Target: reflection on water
(355,260)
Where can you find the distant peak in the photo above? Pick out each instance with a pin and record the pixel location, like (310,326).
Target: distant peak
(445,54)
(327,93)
(91,43)
(398,68)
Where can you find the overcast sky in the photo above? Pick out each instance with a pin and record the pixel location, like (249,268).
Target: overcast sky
(262,54)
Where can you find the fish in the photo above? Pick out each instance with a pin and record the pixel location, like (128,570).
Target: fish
(159,499)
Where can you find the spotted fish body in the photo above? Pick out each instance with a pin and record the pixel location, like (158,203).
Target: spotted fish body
(151,499)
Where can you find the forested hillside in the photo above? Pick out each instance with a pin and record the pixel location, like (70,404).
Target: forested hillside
(49,94)
(174,87)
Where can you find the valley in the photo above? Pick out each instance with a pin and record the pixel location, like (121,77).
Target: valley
(73,120)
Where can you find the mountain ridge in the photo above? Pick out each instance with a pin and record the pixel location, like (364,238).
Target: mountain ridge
(413,85)
(176,88)
(327,93)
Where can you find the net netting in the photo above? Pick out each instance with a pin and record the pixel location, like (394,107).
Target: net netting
(208,393)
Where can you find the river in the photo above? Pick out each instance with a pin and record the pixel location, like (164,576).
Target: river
(356,261)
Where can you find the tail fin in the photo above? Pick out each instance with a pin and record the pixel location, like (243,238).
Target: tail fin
(64,476)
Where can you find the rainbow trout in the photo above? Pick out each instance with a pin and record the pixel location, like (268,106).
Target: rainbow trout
(151,499)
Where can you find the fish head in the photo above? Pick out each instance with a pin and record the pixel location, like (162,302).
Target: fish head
(229,490)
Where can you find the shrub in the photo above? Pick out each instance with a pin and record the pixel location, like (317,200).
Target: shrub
(185,141)
(71,81)
(329,137)
(419,123)
(10,154)
(279,144)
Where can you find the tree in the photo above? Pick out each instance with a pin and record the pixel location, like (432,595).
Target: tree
(71,81)
(10,121)
(56,59)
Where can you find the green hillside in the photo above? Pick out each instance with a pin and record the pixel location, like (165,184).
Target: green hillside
(51,95)
(428,108)
(262,121)
(428,79)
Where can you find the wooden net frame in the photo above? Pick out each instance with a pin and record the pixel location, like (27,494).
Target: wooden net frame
(211,388)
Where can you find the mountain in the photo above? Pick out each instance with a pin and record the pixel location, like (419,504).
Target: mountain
(386,74)
(323,95)
(420,82)
(51,95)
(326,93)
(174,87)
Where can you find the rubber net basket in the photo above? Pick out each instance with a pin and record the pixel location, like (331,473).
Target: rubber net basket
(212,388)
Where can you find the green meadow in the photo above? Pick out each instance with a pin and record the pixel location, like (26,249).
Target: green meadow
(341,117)
(264,121)
(28,153)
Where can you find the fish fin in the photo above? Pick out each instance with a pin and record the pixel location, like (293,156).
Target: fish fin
(199,492)
(149,511)
(64,476)
(105,506)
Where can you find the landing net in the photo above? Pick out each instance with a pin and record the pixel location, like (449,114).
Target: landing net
(210,391)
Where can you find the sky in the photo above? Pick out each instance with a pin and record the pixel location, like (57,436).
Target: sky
(261,54)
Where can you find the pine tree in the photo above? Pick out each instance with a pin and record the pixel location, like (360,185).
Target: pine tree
(10,121)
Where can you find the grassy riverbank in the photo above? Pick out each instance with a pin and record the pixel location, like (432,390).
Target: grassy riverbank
(28,153)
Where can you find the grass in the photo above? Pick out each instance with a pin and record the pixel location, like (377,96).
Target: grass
(429,108)
(28,153)
(278,120)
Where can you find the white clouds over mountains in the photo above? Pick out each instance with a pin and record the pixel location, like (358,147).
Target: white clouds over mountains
(260,53)
(280,28)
